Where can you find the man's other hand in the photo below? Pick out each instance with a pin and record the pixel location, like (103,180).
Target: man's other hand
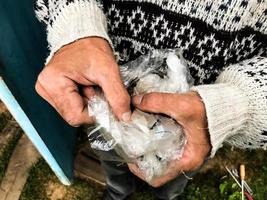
(67,81)
(189,111)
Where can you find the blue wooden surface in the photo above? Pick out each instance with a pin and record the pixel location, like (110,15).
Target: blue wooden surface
(22,54)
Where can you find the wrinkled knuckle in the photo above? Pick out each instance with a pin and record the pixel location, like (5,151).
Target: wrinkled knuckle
(44,75)
(113,66)
(199,162)
(184,108)
(122,101)
(156,185)
(149,100)
(156,100)
(131,170)
(174,114)
(184,105)
(103,76)
(195,164)
(41,77)
(126,100)
(188,163)
(72,120)
(37,87)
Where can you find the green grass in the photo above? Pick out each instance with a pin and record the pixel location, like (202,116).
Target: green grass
(212,184)
(7,149)
(40,176)
(212,188)
(4,118)
(216,183)
(7,152)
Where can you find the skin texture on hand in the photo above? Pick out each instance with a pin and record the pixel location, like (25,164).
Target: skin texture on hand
(68,80)
(189,111)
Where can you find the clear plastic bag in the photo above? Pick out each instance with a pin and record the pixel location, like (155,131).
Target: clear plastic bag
(149,140)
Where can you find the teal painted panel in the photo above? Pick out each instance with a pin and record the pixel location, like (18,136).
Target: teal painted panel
(25,123)
(22,54)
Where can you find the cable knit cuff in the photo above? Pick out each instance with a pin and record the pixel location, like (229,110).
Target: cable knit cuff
(226,109)
(75,20)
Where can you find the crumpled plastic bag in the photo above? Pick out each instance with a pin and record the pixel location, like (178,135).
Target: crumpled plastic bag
(149,140)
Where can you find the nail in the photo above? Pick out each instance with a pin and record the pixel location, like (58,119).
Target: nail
(138,99)
(126,116)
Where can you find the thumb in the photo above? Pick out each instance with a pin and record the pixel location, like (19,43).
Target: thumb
(117,97)
(156,102)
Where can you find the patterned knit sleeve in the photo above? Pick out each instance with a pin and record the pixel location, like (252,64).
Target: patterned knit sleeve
(236,105)
(69,20)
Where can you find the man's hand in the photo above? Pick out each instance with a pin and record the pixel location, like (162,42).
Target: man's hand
(189,111)
(68,79)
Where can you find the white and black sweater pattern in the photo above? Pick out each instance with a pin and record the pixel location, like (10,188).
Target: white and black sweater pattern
(224,43)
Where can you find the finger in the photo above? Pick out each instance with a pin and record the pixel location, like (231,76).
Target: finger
(136,171)
(42,92)
(64,96)
(155,102)
(173,170)
(117,96)
(88,92)
(159,181)
(74,109)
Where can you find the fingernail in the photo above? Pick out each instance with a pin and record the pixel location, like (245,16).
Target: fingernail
(126,116)
(137,99)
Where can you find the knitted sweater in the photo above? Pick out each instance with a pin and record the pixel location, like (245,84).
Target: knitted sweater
(224,43)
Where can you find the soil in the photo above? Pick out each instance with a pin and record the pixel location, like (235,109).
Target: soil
(56,191)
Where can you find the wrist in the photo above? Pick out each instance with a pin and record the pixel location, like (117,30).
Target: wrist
(97,42)
(87,45)
(200,121)
(227,111)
